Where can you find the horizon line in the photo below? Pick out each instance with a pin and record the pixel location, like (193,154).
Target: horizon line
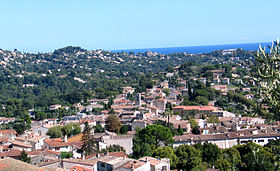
(127,49)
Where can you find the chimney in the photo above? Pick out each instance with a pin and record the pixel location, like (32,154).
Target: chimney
(65,139)
(83,156)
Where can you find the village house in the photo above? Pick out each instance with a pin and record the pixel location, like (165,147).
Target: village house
(197,111)
(39,156)
(57,144)
(35,140)
(4,120)
(10,134)
(226,140)
(203,80)
(159,104)
(226,81)
(162,164)
(123,140)
(216,80)
(128,90)
(40,129)
(70,164)
(55,107)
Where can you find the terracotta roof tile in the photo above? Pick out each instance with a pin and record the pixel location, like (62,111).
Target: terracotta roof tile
(8,131)
(57,142)
(79,168)
(12,153)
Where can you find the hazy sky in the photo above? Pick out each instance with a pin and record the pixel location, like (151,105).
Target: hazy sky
(45,25)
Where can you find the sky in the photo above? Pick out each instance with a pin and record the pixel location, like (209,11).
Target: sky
(46,25)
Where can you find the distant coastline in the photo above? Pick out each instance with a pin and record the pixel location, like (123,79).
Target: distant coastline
(199,49)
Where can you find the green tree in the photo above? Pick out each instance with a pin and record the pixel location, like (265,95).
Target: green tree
(39,115)
(213,119)
(166,152)
(201,100)
(98,129)
(274,145)
(23,157)
(166,91)
(223,164)
(113,123)
(124,129)
(189,157)
(232,155)
(66,155)
(193,123)
(256,157)
(113,148)
(55,132)
(153,136)
(168,112)
(89,144)
(71,129)
(180,130)
(66,129)
(211,153)
(196,130)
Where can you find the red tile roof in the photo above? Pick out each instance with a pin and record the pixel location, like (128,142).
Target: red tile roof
(79,168)
(8,131)
(57,142)
(199,108)
(133,164)
(114,154)
(12,153)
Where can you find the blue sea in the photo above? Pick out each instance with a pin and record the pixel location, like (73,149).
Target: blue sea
(199,49)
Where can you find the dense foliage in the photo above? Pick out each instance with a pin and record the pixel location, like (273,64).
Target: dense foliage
(249,156)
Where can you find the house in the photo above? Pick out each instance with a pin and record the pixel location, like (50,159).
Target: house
(216,80)
(97,101)
(160,104)
(128,90)
(11,154)
(50,121)
(13,164)
(36,140)
(197,111)
(226,140)
(98,155)
(79,168)
(157,164)
(123,140)
(203,80)
(19,145)
(39,156)
(109,163)
(4,120)
(54,107)
(57,144)
(222,113)
(40,129)
(9,133)
(226,80)
(76,143)
(218,72)
(67,164)
(136,124)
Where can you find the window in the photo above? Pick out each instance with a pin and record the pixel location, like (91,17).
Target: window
(164,168)
(260,140)
(109,168)
(102,165)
